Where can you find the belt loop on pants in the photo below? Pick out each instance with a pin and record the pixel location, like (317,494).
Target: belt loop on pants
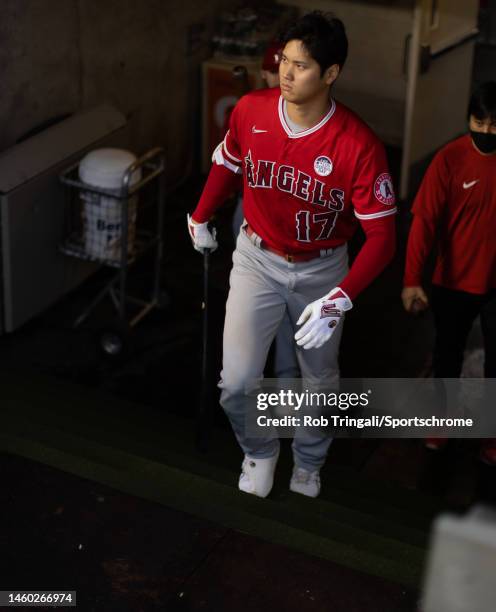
(290,257)
(253,236)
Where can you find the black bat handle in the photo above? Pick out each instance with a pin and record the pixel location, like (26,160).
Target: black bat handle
(206,262)
(203,424)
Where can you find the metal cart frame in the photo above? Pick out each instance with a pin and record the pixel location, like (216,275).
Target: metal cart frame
(152,165)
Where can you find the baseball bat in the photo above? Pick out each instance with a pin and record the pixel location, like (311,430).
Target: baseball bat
(241,85)
(203,424)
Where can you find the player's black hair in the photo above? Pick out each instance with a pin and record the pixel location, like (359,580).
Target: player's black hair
(322,35)
(483,101)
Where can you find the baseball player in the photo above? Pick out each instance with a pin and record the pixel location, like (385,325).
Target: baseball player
(312,170)
(455,209)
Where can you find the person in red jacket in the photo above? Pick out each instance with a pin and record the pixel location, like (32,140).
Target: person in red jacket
(455,210)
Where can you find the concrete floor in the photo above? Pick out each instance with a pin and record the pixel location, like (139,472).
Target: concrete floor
(121,554)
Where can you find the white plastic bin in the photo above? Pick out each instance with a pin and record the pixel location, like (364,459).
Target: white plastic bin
(102,214)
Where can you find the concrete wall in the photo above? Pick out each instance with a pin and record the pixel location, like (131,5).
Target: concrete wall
(59,56)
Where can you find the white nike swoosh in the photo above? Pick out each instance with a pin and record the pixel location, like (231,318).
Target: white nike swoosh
(471,184)
(255,131)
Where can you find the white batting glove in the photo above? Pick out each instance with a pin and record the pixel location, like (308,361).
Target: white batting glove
(321,318)
(201,236)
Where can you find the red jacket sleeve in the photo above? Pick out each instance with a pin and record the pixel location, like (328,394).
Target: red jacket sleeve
(220,185)
(374,203)
(420,241)
(225,176)
(427,209)
(374,256)
(373,193)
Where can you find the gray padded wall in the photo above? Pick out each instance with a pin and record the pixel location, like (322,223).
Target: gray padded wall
(34,273)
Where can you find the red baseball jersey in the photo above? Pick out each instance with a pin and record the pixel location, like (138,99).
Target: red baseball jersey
(304,191)
(457,199)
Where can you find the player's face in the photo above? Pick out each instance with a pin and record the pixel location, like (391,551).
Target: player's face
(300,78)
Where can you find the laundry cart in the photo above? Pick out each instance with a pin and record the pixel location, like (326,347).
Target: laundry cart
(108,193)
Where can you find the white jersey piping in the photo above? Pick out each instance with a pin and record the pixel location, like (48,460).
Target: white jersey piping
(227,150)
(220,160)
(377,215)
(311,130)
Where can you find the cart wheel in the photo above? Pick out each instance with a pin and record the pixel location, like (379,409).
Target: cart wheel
(115,341)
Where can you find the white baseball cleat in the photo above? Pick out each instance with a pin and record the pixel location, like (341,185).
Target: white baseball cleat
(257,475)
(305,482)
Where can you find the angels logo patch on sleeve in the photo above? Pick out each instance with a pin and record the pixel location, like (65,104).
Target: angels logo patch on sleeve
(383,189)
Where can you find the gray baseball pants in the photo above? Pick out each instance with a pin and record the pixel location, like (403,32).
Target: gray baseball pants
(263,287)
